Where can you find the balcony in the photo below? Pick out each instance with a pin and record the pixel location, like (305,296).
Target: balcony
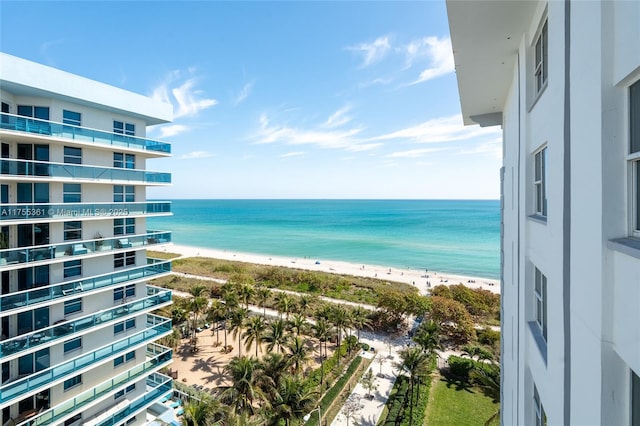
(157,385)
(16,346)
(16,257)
(80,211)
(77,288)
(22,387)
(82,135)
(64,172)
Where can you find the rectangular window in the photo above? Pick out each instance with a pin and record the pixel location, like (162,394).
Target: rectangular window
(71,117)
(72,193)
(634,149)
(124,226)
(72,230)
(124,128)
(541,416)
(72,306)
(124,193)
(73,344)
(540,290)
(124,161)
(74,381)
(540,182)
(124,391)
(124,259)
(541,66)
(124,358)
(121,293)
(124,326)
(72,155)
(74,421)
(34,111)
(73,268)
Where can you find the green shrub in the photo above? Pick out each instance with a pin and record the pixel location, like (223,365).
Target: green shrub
(460,367)
(365,347)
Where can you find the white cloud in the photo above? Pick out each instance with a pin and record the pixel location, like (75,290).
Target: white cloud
(445,129)
(413,153)
(196,154)
(172,130)
(375,81)
(492,148)
(339,118)
(182,93)
(439,52)
(372,52)
(292,154)
(244,93)
(319,136)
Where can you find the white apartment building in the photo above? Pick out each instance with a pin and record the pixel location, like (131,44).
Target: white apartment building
(77,344)
(562,78)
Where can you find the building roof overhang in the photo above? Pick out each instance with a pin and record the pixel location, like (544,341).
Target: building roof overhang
(485,36)
(25,78)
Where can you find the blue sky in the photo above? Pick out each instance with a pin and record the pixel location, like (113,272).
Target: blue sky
(280,99)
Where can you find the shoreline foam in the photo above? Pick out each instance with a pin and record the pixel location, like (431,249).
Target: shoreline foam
(405,275)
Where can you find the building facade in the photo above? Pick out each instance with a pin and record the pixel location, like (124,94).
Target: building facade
(562,78)
(77,343)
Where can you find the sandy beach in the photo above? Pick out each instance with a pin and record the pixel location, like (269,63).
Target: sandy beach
(422,279)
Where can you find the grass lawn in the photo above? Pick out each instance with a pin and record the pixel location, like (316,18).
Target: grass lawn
(451,405)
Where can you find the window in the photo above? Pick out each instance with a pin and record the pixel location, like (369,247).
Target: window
(73,421)
(124,128)
(124,226)
(541,416)
(540,182)
(72,193)
(124,326)
(72,230)
(540,71)
(34,111)
(124,259)
(73,268)
(124,358)
(71,117)
(540,291)
(72,155)
(125,391)
(74,381)
(121,293)
(124,161)
(73,344)
(124,193)
(32,192)
(72,306)
(634,150)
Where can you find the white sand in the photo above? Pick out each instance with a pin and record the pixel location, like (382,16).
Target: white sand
(409,276)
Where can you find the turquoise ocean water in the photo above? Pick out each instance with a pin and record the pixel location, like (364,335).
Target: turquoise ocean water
(453,236)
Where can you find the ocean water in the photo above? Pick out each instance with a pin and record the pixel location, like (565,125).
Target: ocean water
(456,236)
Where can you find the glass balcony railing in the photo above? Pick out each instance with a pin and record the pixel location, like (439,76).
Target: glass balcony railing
(12,167)
(80,134)
(68,250)
(157,385)
(156,297)
(78,287)
(34,382)
(82,211)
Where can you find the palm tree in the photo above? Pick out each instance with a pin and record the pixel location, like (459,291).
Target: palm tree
(238,316)
(322,332)
(272,368)
(255,328)
(245,293)
(488,378)
(216,314)
(293,399)
(414,363)
(197,303)
(298,323)
(203,412)
(230,304)
(243,391)
(284,304)
(427,336)
(262,295)
(298,353)
(304,304)
(276,335)
(360,319)
(340,320)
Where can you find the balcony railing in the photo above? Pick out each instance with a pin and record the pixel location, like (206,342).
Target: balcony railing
(78,287)
(64,330)
(68,250)
(157,385)
(81,211)
(80,134)
(45,378)
(12,167)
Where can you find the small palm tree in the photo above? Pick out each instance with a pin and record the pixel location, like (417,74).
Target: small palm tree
(427,336)
(304,305)
(284,304)
(340,320)
(243,391)
(262,295)
(255,328)
(203,412)
(245,293)
(298,353)
(216,314)
(275,335)
(197,303)
(414,363)
(236,322)
(272,368)
(292,400)
(297,324)
(360,319)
